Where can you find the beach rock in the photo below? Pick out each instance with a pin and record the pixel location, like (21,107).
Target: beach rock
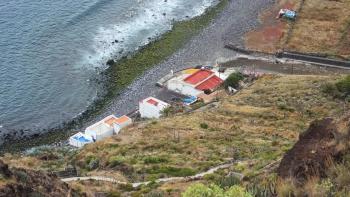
(110,62)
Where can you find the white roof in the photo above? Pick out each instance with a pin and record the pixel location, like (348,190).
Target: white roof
(100,126)
(155,102)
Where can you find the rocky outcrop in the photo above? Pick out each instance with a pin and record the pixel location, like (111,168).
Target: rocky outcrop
(313,154)
(20,182)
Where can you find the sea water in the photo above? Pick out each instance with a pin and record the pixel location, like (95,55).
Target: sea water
(52,52)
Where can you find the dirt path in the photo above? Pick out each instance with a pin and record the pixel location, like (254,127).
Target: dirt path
(162,180)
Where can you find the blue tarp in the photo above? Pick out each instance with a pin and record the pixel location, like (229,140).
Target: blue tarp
(189,100)
(290,14)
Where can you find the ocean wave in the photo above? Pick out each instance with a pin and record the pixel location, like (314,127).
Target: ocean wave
(145,23)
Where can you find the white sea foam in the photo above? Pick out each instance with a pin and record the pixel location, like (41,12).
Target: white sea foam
(145,22)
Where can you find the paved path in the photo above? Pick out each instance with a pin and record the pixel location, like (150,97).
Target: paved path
(162,180)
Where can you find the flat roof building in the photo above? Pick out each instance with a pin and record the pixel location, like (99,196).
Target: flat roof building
(195,83)
(79,140)
(152,107)
(107,127)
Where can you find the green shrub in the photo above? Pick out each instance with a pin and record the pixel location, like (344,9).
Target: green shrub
(113,194)
(89,158)
(166,112)
(229,181)
(212,177)
(94,164)
(21,176)
(340,89)
(155,193)
(282,105)
(200,190)
(171,171)
(154,159)
(237,191)
(233,80)
(126,187)
(115,161)
(344,85)
(330,89)
(204,126)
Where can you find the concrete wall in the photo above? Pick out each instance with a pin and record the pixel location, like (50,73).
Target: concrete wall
(99,131)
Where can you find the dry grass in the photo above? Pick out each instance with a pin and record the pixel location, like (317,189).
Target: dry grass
(91,188)
(322,27)
(271,35)
(258,124)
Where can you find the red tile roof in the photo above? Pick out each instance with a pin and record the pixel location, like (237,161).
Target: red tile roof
(210,84)
(198,76)
(152,102)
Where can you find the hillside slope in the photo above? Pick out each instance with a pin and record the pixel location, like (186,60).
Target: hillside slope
(253,128)
(21,182)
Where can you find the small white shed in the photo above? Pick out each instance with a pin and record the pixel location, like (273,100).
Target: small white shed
(79,140)
(119,123)
(101,129)
(152,107)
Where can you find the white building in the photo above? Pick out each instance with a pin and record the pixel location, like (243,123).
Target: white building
(107,127)
(101,129)
(80,139)
(119,123)
(194,83)
(152,107)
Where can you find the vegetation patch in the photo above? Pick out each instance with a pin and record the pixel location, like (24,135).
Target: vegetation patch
(171,171)
(233,80)
(200,190)
(339,89)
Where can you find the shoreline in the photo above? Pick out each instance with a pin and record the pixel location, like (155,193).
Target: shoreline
(182,32)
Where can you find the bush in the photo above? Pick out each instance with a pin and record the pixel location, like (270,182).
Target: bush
(340,89)
(233,80)
(171,171)
(167,112)
(229,181)
(115,161)
(155,194)
(200,190)
(153,160)
(21,176)
(204,126)
(89,158)
(113,194)
(94,164)
(344,85)
(330,89)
